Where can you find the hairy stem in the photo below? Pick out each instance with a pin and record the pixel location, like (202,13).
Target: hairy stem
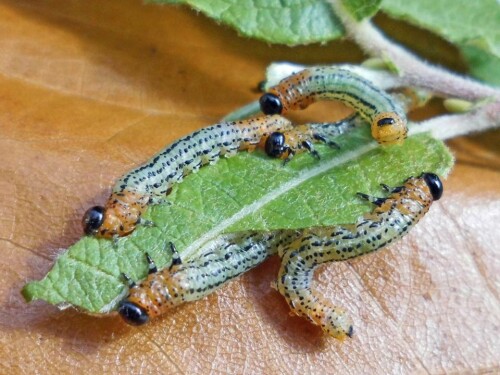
(412,70)
(449,126)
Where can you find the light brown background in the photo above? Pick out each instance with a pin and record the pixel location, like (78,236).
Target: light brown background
(89,89)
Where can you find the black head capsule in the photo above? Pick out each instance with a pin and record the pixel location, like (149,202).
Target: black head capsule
(435,185)
(386,121)
(275,145)
(270,104)
(132,314)
(93,219)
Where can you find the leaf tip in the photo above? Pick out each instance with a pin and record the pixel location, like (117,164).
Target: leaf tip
(28,291)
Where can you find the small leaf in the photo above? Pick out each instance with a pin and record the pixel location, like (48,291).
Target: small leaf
(483,65)
(473,24)
(246,192)
(289,22)
(362,8)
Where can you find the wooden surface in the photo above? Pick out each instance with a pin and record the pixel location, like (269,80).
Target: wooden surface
(89,89)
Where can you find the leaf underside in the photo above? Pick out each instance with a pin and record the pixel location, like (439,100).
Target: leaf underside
(471,25)
(288,22)
(246,192)
(362,8)
(459,21)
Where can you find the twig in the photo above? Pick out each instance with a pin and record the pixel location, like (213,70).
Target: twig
(446,127)
(413,71)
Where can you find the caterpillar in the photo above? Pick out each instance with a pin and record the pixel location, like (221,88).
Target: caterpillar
(285,144)
(152,181)
(301,252)
(386,117)
(226,258)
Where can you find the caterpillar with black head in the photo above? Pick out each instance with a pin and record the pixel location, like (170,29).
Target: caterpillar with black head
(301,250)
(386,117)
(151,182)
(285,144)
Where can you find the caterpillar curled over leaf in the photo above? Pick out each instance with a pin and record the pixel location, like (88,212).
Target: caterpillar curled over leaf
(301,250)
(150,182)
(298,91)
(223,259)
(391,219)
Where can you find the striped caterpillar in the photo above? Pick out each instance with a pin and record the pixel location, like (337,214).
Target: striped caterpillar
(152,181)
(298,91)
(301,251)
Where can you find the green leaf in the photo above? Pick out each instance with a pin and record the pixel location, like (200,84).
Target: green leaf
(289,22)
(462,22)
(246,192)
(482,64)
(362,8)
(471,25)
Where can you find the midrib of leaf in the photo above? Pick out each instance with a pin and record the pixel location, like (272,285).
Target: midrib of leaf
(192,251)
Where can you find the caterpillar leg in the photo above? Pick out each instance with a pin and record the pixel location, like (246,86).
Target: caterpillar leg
(145,222)
(294,283)
(320,138)
(391,189)
(291,154)
(176,259)
(375,200)
(131,283)
(151,265)
(309,146)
